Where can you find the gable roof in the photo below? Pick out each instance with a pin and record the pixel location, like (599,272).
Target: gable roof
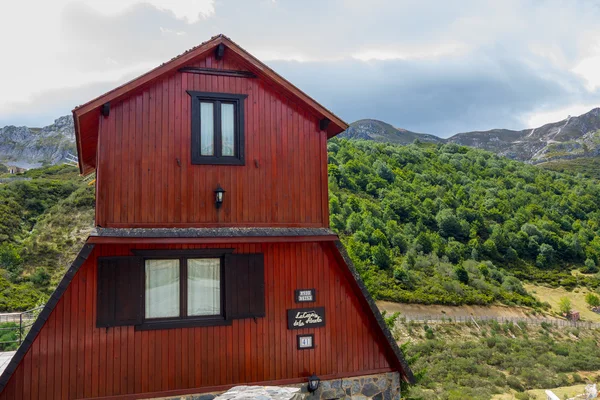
(339,253)
(86,116)
(43,316)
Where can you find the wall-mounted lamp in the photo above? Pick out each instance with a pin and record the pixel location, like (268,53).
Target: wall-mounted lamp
(313,383)
(219,192)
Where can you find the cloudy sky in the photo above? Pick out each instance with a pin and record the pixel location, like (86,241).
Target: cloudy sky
(438,66)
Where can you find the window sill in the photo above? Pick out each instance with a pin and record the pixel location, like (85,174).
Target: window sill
(217,161)
(181,323)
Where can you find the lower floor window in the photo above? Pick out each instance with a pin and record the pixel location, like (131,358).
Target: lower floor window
(182,288)
(178,288)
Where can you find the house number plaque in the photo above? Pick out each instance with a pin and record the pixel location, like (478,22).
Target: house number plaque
(300,318)
(304,295)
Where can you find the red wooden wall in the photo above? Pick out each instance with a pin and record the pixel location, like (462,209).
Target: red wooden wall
(145,176)
(71,358)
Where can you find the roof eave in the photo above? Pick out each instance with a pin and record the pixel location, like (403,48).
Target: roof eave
(336,126)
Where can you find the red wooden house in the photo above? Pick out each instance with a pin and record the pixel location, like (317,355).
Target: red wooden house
(212,264)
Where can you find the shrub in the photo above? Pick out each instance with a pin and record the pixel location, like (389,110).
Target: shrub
(429,333)
(461,274)
(564,305)
(577,378)
(592,300)
(515,384)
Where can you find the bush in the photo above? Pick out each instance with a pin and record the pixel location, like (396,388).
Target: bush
(515,384)
(429,333)
(592,300)
(564,305)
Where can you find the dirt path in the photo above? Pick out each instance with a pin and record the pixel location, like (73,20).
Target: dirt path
(413,310)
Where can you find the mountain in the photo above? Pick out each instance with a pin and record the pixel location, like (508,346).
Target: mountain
(574,138)
(32,147)
(372,129)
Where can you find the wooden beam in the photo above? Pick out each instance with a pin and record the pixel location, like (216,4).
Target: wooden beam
(214,71)
(219,240)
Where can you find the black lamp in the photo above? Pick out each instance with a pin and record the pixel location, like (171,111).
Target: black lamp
(219,192)
(313,383)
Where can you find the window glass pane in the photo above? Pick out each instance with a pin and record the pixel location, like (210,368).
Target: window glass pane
(207,129)
(227,119)
(162,288)
(204,286)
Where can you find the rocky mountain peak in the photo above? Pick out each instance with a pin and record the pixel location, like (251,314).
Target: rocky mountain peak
(32,147)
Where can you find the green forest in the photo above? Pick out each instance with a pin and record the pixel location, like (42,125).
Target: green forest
(447,224)
(423,223)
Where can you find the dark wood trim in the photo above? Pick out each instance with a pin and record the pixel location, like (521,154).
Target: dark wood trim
(218,72)
(37,326)
(133,225)
(183,320)
(151,325)
(217,99)
(189,253)
(218,240)
(222,388)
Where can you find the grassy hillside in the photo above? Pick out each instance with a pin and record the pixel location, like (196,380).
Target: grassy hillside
(43,223)
(588,167)
(468,361)
(455,225)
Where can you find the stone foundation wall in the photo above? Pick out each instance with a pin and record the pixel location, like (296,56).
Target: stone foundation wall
(377,387)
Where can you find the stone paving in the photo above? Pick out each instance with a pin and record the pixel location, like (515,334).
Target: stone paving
(5,357)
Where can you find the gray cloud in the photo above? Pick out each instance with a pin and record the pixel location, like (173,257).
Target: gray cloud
(514,56)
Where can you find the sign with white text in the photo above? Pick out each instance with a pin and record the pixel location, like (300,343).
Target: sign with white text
(300,318)
(305,295)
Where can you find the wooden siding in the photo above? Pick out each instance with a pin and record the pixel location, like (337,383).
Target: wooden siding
(145,176)
(72,359)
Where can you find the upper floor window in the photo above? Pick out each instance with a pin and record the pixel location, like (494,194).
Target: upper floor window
(217,128)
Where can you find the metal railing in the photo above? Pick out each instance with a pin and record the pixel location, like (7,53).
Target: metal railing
(18,323)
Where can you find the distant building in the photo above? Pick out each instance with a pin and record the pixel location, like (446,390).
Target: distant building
(574,316)
(13,169)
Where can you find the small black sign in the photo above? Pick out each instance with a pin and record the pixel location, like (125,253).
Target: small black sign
(300,318)
(305,295)
(306,342)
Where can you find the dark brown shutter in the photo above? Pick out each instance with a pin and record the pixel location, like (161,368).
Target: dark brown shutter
(120,290)
(244,286)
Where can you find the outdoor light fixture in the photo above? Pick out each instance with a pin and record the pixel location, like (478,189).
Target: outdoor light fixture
(313,383)
(219,192)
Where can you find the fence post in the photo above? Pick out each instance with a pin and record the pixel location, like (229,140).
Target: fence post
(20,328)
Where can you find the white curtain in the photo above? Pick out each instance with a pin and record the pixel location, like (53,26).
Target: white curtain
(204,286)
(162,288)
(207,126)
(227,137)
